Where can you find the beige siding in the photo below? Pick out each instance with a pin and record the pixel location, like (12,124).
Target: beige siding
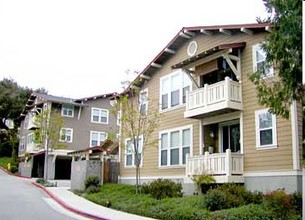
(261,160)
(254,160)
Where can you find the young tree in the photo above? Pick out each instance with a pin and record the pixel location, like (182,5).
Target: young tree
(283,47)
(48,133)
(138,122)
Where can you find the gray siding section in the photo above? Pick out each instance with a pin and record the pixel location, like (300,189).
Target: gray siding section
(83,169)
(82,125)
(25,168)
(271,183)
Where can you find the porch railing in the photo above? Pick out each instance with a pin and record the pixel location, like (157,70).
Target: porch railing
(227,90)
(226,164)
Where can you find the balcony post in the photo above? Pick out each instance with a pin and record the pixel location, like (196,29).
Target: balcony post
(227,92)
(187,164)
(206,154)
(228,162)
(205,95)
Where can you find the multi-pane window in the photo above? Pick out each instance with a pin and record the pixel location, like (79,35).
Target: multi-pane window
(66,135)
(174,88)
(143,101)
(67,110)
(30,139)
(97,138)
(22,144)
(130,159)
(99,115)
(259,61)
(265,129)
(174,146)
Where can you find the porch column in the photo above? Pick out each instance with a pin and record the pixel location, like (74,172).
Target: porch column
(228,162)
(201,138)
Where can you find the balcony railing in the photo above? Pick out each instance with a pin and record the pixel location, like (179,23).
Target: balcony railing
(225,164)
(221,95)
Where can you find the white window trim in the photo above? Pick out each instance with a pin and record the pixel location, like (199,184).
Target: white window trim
(168,131)
(133,154)
(257,131)
(98,132)
(22,145)
(118,119)
(99,109)
(254,49)
(63,107)
(65,141)
(181,104)
(146,102)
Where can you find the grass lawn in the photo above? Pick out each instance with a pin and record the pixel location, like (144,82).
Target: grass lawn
(123,197)
(4,161)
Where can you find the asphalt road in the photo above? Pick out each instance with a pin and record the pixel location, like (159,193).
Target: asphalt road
(21,200)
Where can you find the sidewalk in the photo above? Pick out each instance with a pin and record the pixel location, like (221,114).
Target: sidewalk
(84,207)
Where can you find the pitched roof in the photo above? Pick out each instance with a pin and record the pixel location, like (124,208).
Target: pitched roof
(187,33)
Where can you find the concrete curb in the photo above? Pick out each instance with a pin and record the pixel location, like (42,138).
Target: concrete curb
(66,206)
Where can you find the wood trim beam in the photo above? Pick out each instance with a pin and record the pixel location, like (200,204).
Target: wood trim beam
(247,31)
(192,34)
(167,50)
(157,65)
(181,34)
(188,72)
(268,29)
(224,31)
(203,31)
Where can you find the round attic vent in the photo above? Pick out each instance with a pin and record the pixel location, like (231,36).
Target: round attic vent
(192,48)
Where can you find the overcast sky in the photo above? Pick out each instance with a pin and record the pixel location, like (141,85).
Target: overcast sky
(81,48)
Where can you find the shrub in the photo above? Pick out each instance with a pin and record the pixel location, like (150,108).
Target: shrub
(279,203)
(92,181)
(296,200)
(44,183)
(41,181)
(14,169)
(92,189)
(145,188)
(252,211)
(164,188)
(215,199)
(203,179)
(230,196)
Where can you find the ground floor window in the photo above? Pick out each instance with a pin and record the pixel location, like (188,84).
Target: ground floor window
(174,145)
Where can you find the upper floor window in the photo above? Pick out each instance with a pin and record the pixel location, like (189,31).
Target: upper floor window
(67,110)
(30,139)
(66,135)
(174,145)
(259,61)
(96,138)
(22,144)
(174,88)
(99,115)
(130,159)
(265,129)
(143,101)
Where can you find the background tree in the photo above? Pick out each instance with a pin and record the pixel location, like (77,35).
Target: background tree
(138,122)
(48,133)
(283,47)
(12,101)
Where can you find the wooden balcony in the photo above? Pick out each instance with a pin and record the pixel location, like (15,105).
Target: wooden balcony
(223,96)
(224,167)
